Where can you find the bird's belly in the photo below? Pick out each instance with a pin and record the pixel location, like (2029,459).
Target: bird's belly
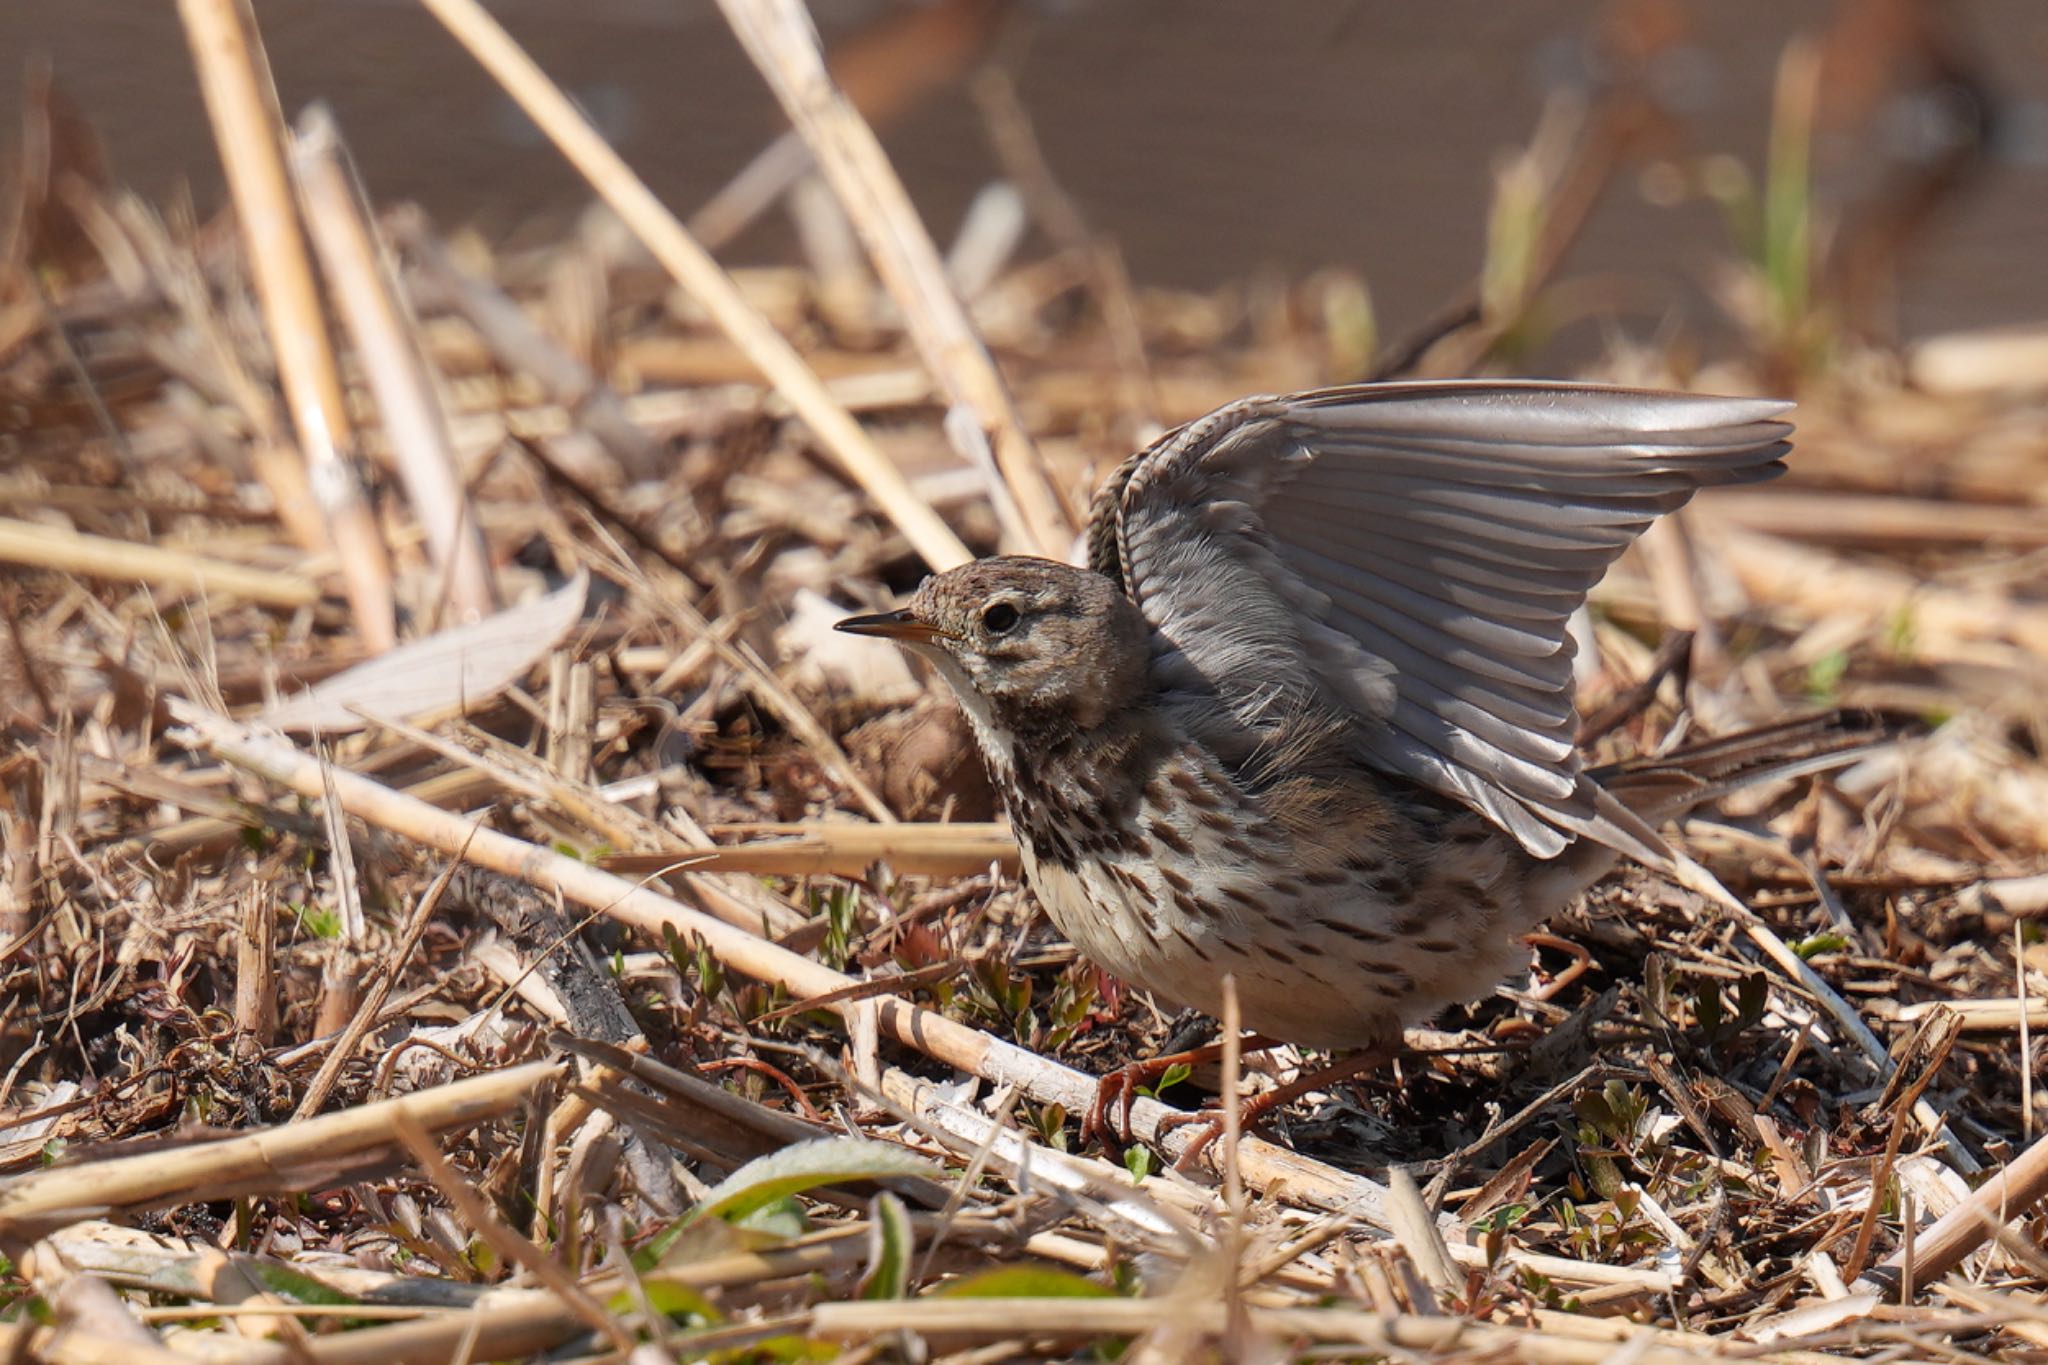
(1330,961)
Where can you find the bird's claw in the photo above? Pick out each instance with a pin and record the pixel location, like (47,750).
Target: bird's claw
(1117,1089)
(1210,1118)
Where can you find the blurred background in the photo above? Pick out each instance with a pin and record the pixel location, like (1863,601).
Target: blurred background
(1211,140)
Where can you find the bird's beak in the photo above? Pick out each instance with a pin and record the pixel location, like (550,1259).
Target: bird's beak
(891,625)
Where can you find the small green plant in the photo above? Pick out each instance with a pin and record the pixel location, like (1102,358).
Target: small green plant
(319,923)
(840,906)
(1609,1228)
(1544,1291)
(999,995)
(1824,676)
(1776,229)
(1138,1161)
(1497,1226)
(1050,1123)
(1168,1079)
(1611,1115)
(1073,1000)
(1716,1023)
(695,962)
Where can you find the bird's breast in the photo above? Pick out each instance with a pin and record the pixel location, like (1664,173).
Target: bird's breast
(1329,945)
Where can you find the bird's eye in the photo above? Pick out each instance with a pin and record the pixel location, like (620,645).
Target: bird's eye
(999,618)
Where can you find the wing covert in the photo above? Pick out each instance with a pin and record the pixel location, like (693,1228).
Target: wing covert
(1408,555)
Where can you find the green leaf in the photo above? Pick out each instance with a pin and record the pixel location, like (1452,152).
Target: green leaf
(1592,1110)
(679,1303)
(1752,998)
(282,1279)
(1138,1161)
(1824,675)
(1706,1007)
(781,1220)
(797,1350)
(1827,941)
(1023,1282)
(683,1241)
(827,1161)
(890,1244)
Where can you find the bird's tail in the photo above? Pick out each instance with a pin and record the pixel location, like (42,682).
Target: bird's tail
(1671,784)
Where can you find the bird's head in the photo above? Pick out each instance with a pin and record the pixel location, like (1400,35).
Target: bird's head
(1030,646)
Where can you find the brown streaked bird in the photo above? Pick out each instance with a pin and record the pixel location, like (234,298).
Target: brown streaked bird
(1306,718)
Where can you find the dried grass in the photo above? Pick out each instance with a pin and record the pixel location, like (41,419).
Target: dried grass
(671,992)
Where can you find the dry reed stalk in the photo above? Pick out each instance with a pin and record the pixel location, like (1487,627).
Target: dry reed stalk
(508,768)
(779,36)
(1419,1235)
(894,63)
(512,770)
(1401,1335)
(1232,1022)
(312,1153)
(1878,519)
(750,193)
(1667,549)
(693,268)
(91,1324)
(242,104)
(2008,1195)
(1926,1051)
(842,849)
(1983,1016)
(89,556)
(510,1324)
(1267,1167)
(256,987)
(387,347)
(2012,358)
(2027,1313)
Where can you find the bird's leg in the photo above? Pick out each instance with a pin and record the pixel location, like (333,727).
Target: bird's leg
(1120,1087)
(1258,1106)
(1582,964)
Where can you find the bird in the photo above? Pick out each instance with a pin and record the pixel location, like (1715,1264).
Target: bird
(1305,718)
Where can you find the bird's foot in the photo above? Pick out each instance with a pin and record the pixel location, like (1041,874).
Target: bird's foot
(1253,1110)
(1210,1125)
(1119,1089)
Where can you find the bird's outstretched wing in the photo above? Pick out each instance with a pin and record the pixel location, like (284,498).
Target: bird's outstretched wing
(1409,554)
